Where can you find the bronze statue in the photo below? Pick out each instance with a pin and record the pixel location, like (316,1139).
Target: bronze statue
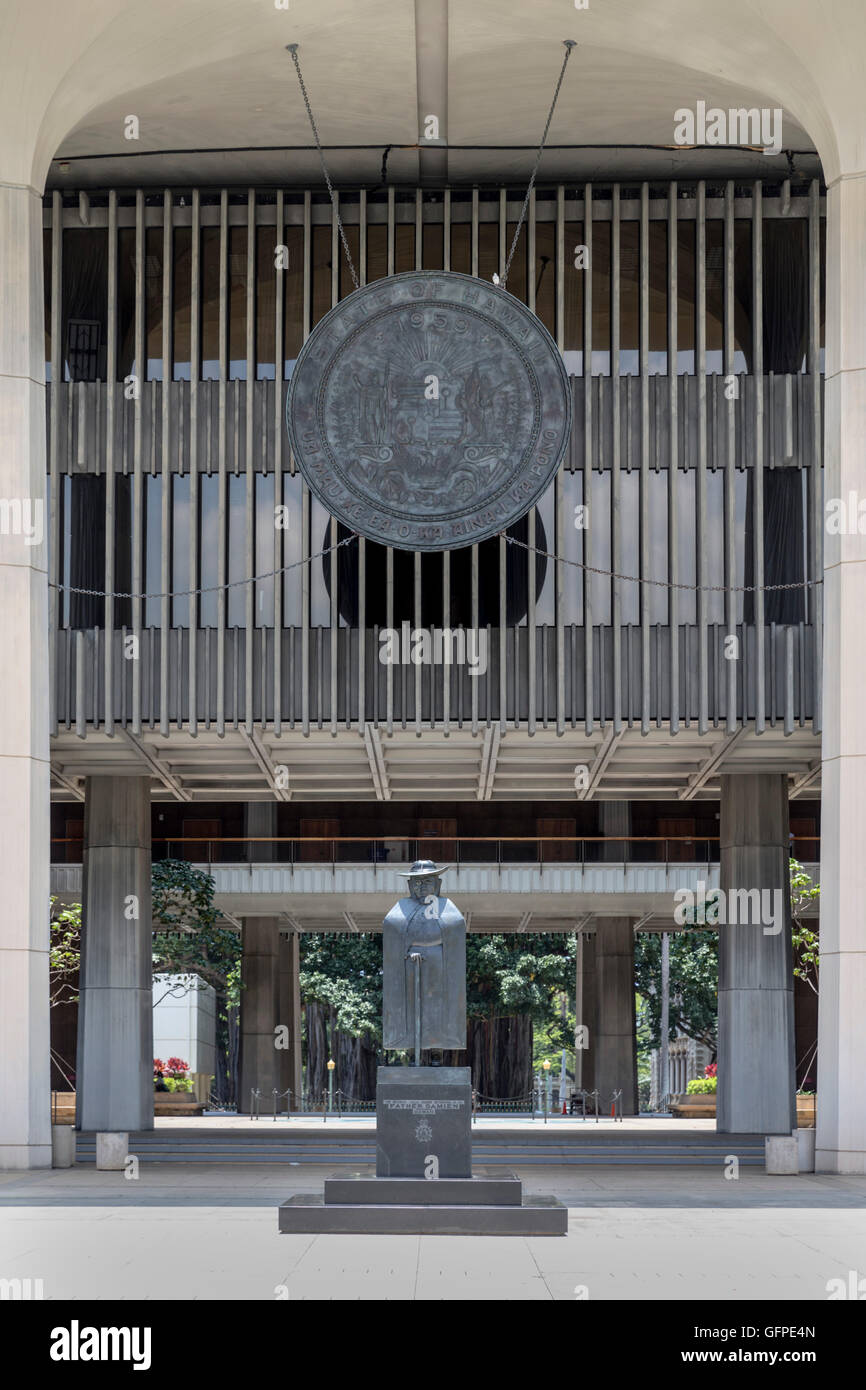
(424,967)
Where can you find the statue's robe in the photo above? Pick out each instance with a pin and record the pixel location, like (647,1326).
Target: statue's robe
(440,940)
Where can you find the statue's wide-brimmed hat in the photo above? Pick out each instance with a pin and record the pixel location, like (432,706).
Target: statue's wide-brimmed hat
(425,868)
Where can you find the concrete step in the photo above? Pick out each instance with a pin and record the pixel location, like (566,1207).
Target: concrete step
(505,1148)
(486,1187)
(538,1216)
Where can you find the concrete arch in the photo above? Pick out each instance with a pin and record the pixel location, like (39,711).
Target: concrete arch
(67,62)
(91,55)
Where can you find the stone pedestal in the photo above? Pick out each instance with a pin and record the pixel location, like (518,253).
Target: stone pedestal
(423,1184)
(112,1151)
(62,1146)
(423,1122)
(782,1155)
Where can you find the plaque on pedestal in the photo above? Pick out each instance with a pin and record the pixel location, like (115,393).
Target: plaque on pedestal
(423,1122)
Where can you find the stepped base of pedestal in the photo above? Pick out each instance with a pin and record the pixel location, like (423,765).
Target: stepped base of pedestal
(493,1187)
(537,1216)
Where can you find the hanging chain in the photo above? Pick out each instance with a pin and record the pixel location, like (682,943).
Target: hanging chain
(662,583)
(293,49)
(213,588)
(569,45)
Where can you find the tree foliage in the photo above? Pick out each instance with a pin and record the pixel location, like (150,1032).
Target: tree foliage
(506,976)
(344,972)
(64,952)
(805,940)
(516,975)
(694,982)
(190,942)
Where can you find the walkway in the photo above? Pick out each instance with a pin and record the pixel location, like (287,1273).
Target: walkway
(186,1233)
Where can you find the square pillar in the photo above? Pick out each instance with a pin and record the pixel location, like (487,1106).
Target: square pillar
(756,977)
(290,1068)
(585,1011)
(25,1082)
(616,1032)
(114,1068)
(260,818)
(258,1056)
(840,1143)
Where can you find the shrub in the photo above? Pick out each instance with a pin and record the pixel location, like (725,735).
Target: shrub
(177,1084)
(702,1086)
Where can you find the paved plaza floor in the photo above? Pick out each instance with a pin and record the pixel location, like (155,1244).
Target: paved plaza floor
(187,1232)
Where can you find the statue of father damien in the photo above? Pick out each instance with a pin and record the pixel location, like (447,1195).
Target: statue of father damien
(424,966)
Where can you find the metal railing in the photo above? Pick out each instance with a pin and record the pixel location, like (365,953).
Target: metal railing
(499,850)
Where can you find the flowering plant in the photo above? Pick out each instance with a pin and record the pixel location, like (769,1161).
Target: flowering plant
(712,1069)
(701,1086)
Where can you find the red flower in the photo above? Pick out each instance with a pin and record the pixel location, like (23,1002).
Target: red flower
(158,1064)
(711,1070)
(176,1066)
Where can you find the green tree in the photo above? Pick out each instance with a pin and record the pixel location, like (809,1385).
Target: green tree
(804,894)
(64,953)
(189,941)
(514,975)
(694,975)
(343,972)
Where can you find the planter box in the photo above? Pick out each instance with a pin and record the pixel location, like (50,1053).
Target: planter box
(806,1112)
(63,1107)
(176,1103)
(687,1107)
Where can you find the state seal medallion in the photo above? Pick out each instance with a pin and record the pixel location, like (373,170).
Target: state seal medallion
(429,410)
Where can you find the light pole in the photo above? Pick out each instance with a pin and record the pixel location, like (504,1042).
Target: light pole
(548,1082)
(331,1065)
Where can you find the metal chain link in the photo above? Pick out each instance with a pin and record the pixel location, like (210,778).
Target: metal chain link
(293,49)
(512,540)
(213,588)
(569,45)
(665,583)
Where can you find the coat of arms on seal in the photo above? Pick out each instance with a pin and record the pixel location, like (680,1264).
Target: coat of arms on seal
(429,410)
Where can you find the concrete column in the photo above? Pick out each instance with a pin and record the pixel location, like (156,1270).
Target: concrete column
(615,817)
(259,1059)
(840,1143)
(291,1073)
(114,1068)
(585,1011)
(25,1083)
(756,980)
(616,1054)
(260,818)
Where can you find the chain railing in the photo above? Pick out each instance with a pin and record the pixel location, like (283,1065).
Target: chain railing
(337,1102)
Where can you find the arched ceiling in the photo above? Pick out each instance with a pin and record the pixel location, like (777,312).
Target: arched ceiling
(213,74)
